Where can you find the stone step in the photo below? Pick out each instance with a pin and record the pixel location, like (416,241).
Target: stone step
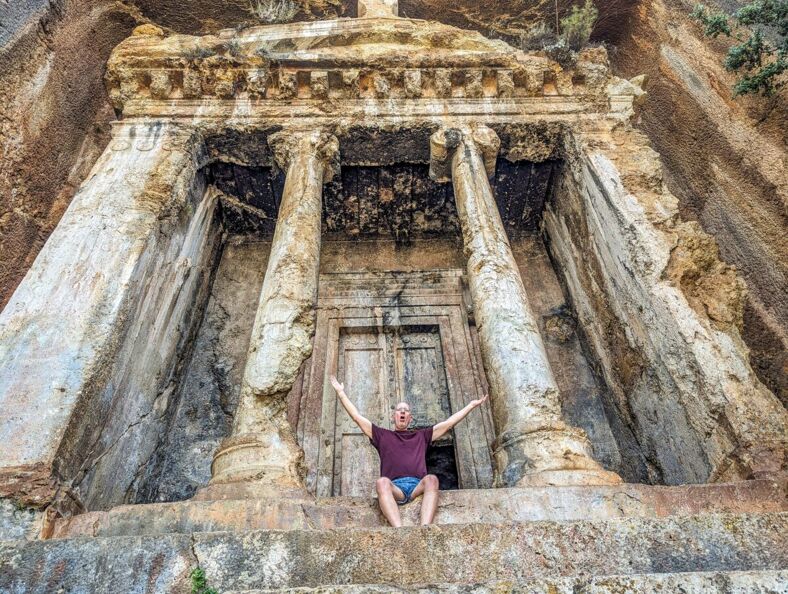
(495,506)
(720,582)
(449,554)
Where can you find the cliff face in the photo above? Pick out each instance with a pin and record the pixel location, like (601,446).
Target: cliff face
(54,116)
(725,158)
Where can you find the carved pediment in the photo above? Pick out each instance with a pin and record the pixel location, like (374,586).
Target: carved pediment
(344,59)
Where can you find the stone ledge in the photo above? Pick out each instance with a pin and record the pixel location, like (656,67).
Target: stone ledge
(458,554)
(241,509)
(732,582)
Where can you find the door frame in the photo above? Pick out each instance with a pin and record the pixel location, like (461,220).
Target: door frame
(380,300)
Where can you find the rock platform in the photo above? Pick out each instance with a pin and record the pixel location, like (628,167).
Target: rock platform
(626,538)
(730,582)
(239,508)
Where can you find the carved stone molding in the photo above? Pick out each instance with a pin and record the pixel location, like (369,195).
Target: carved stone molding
(374,58)
(286,145)
(445,141)
(285,83)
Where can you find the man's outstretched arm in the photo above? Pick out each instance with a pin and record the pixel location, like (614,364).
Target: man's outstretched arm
(441,428)
(364,424)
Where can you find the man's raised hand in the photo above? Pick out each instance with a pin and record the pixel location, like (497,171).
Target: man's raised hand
(337,386)
(479,401)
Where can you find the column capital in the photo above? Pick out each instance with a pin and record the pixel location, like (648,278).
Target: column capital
(445,142)
(286,144)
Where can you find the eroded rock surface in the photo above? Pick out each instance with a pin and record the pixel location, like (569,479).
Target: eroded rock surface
(54,116)
(725,161)
(146,340)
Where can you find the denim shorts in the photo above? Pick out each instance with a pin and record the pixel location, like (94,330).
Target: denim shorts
(406,484)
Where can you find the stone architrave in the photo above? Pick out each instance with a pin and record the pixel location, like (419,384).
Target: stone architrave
(262,447)
(533,444)
(64,327)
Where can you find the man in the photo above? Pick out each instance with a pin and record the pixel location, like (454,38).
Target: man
(403,463)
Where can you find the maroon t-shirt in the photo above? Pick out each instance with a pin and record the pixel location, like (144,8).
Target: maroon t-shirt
(402,453)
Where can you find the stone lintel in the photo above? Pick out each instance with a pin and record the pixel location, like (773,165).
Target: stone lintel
(251,65)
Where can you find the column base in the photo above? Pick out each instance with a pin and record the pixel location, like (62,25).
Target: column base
(570,478)
(252,490)
(547,454)
(264,459)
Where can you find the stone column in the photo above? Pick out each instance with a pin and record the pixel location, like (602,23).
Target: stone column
(67,324)
(262,447)
(533,445)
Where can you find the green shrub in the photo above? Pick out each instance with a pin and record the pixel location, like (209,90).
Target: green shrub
(198,53)
(576,28)
(562,53)
(539,36)
(233,48)
(199,583)
(273,11)
(761,54)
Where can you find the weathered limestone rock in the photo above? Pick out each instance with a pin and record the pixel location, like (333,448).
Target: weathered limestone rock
(719,582)
(262,446)
(208,393)
(464,553)
(54,116)
(18,523)
(661,313)
(65,332)
(534,446)
(126,292)
(464,506)
(458,554)
(728,170)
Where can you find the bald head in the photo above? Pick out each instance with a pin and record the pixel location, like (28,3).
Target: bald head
(401,416)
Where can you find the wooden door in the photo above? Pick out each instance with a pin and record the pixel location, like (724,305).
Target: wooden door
(381,367)
(389,338)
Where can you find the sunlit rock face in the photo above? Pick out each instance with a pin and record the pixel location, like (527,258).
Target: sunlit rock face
(67,129)
(430,213)
(499,19)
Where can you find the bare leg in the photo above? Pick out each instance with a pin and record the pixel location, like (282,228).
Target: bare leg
(388,495)
(428,486)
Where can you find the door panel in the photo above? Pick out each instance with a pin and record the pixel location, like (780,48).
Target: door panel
(420,375)
(364,371)
(360,466)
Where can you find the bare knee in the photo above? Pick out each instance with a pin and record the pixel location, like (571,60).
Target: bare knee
(383,485)
(431,482)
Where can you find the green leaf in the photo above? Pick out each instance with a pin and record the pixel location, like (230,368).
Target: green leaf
(714,23)
(763,55)
(749,54)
